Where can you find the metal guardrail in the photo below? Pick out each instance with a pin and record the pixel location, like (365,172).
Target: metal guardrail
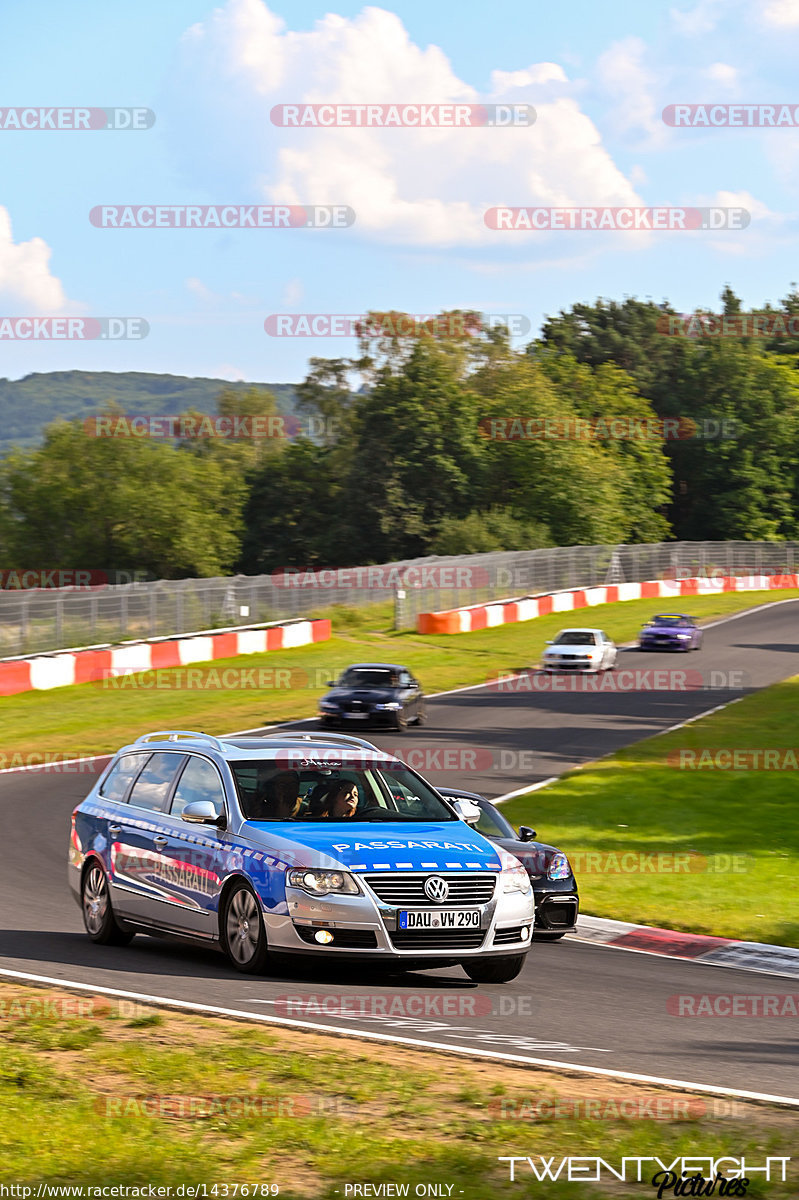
(41,620)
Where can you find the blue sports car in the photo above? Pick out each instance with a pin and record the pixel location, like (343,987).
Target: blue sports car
(294,844)
(670,631)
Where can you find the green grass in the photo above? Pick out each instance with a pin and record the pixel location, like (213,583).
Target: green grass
(334,1111)
(742,827)
(92,718)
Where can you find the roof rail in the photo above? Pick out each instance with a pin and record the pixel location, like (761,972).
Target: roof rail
(174,735)
(335,738)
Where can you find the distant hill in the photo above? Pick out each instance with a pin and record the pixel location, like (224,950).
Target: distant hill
(28,405)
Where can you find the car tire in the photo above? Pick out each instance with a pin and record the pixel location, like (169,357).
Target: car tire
(242,930)
(421,715)
(400,721)
(494,970)
(548,937)
(98,914)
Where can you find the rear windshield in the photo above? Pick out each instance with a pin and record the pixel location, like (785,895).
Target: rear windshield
(383,790)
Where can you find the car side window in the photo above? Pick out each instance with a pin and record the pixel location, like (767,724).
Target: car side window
(115,785)
(152,787)
(405,679)
(199,781)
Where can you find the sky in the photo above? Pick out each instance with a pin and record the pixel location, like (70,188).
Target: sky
(598,77)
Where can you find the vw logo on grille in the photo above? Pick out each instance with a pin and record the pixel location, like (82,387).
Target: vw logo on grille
(436,889)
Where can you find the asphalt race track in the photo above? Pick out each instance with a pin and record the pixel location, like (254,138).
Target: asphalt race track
(576,1003)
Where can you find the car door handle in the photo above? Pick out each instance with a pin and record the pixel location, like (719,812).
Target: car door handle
(115,830)
(160,841)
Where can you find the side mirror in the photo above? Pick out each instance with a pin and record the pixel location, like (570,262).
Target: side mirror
(526,834)
(202,812)
(467,810)
(549,642)
(331,683)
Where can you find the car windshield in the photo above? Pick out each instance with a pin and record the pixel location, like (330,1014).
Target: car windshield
(575,637)
(670,619)
(328,789)
(368,677)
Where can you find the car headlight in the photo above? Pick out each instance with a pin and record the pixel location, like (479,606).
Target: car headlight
(391,704)
(331,704)
(559,866)
(321,883)
(515,879)
(683,635)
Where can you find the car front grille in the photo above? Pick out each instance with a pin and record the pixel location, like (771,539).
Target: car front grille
(407,890)
(437,939)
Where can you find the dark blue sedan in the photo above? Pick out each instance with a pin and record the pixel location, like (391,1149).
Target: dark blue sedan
(671,631)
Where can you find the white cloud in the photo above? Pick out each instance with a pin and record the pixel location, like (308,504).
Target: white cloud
(782,13)
(25,279)
(293,292)
(624,77)
(227,371)
(699,20)
(723,75)
(425,188)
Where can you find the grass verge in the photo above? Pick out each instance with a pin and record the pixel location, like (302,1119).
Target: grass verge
(109,1097)
(97,718)
(666,796)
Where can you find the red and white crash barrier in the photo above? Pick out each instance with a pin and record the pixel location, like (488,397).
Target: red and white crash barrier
(507,612)
(45,671)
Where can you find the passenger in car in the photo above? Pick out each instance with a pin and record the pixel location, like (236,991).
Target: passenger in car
(338,803)
(278,799)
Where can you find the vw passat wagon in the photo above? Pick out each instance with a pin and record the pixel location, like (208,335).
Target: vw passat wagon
(311,844)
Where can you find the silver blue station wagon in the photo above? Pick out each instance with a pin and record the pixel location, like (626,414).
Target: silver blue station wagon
(294,844)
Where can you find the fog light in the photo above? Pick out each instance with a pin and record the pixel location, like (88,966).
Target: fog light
(323,936)
(525,932)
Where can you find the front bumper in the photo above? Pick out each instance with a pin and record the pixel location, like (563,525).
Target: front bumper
(573,664)
(365,927)
(556,910)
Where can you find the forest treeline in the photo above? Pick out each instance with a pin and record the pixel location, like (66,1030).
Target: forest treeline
(621,423)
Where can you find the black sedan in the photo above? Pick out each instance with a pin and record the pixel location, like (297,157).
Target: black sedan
(373,693)
(554,886)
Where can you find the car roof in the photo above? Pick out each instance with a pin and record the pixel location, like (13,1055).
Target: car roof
(376,666)
(268,747)
(579,629)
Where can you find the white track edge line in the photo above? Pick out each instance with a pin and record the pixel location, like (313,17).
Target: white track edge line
(415,1043)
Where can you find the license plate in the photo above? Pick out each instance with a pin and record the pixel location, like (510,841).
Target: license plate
(356,716)
(440,918)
